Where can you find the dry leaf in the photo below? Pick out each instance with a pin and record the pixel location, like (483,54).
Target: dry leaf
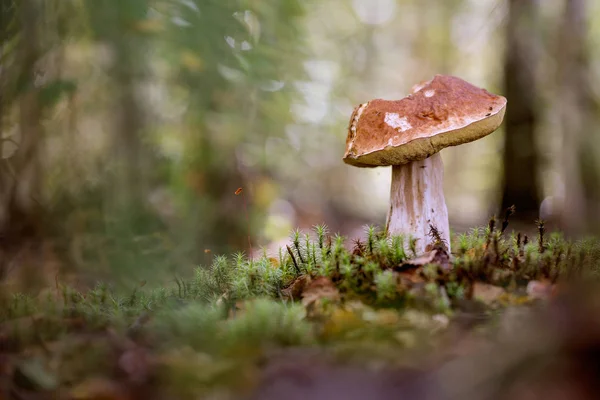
(436,256)
(411,276)
(320,288)
(487,293)
(295,289)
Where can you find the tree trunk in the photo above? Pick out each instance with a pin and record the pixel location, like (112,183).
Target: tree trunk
(129,122)
(20,227)
(521,181)
(578,213)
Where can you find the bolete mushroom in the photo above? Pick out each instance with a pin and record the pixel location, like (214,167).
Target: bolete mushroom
(408,135)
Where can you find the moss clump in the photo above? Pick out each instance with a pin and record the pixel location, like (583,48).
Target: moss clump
(373,299)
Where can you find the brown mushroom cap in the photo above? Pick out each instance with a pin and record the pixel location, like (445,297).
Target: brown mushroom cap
(446,111)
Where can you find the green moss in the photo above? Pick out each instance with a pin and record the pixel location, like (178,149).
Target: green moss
(212,328)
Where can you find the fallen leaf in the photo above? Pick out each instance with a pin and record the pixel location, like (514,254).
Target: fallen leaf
(318,289)
(487,293)
(423,259)
(436,256)
(411,276)
(295,289)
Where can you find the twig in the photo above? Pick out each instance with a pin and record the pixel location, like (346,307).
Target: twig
(507,214)
(293,259)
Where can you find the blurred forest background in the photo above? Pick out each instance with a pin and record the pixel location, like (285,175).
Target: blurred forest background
(127,127)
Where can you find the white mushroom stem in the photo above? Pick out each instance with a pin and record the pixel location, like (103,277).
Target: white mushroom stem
(417,201)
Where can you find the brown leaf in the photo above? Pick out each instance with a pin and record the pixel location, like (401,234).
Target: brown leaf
(320,288)
(423,259)
(295,289)
(436,256)
(411,276)
(487,293)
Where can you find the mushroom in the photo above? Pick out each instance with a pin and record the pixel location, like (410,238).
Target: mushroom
(408,135)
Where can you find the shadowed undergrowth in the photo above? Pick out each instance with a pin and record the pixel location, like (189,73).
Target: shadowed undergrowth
(370,301)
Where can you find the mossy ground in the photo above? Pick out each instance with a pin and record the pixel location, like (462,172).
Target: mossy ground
(370,303)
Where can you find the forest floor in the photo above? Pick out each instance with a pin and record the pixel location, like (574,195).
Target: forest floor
(504,316)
